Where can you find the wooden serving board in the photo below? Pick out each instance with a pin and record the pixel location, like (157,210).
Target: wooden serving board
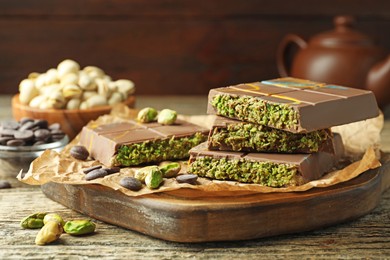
(191,216)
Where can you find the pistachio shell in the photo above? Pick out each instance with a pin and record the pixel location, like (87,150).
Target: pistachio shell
(56,100)
(73,103)
(71,78)
(84,105)
(125,86)
(27,91)
(72,91)
(94,72)
(88,94)
(86,82)
(115,98)
(51,77)
(40,81)
(97,100)
(33,75)
(66,67)
(102,88)
(37,101)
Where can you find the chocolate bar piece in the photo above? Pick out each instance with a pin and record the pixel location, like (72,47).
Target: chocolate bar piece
(267,169)
(292,104)
(131,143)
(233,135)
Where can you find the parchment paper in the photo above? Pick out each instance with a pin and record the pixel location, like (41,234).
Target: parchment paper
(360,139)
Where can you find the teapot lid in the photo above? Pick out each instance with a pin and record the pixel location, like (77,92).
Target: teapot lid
(342,35)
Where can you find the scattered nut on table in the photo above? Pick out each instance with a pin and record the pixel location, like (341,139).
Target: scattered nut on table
(66,87)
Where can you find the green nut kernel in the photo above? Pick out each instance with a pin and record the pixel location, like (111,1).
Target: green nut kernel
(147,115)
(167,117)
(50,232)
(141,173)
(53,217)
(33,221)
(79,227)
(154,178)
(170,169)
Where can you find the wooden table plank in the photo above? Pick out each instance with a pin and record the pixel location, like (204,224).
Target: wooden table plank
(366,237)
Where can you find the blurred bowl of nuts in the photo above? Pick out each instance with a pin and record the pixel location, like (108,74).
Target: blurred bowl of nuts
(70,95)
(23,141)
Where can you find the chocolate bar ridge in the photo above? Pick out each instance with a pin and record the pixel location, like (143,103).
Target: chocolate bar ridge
(267,169)
(233,135)
(292,104)
(131,143)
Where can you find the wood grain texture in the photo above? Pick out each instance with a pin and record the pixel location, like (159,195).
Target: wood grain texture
(192,216)
(364,238)
(168,46)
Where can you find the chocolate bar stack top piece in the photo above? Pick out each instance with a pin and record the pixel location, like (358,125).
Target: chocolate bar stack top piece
(132,143)
(293,105)
(277,132)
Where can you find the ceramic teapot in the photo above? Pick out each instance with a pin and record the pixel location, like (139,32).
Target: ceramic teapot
(342,56)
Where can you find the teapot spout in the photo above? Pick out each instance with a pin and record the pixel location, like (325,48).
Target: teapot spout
(378,81)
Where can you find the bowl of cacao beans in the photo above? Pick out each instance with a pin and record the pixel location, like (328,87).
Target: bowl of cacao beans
(70,95)
(23,141)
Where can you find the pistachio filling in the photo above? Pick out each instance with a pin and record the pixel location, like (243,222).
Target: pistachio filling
(254,137)
(255,110)
(264,173)
(157,150)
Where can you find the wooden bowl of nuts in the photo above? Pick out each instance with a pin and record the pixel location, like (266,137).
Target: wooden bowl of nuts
(70,95)
(71,120)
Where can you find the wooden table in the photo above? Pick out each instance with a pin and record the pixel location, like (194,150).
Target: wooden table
(366,237)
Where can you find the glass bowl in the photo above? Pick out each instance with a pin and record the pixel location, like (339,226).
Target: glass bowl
(13,159)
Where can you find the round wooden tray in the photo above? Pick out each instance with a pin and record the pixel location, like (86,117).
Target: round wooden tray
(188,215)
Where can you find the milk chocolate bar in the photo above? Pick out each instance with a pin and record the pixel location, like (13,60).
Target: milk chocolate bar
(292,104)
(233,135)
(131,143)
(267,169)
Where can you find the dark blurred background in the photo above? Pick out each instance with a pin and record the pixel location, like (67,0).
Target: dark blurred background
(168,47)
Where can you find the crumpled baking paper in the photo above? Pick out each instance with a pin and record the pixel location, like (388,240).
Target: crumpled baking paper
(360,140)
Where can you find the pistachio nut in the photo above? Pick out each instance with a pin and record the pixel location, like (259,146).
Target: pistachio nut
(85,81)
(73,103)
(141,173)
(79,227)
(53,217)
(37,101)
(147,114)
(51,77)
(56,100)
(33,221)
(83,105)
(154,178)
(96,101)
(115,98)
(87,94)
(66,67)
(33,75)
(170,169)
(71,91)
(50,232)
(27,91)
(125,86)
(167,117)
(94,72)
(71,78)
(103,88)
(40,80)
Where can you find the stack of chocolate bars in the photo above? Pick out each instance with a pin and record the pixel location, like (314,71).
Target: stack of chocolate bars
(277,132)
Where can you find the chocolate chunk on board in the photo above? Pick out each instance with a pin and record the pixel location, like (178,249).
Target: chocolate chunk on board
(233,135)
(267,169)
(292,104)
(131,143)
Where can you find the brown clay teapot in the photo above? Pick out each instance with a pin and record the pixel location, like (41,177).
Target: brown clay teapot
(342,56)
